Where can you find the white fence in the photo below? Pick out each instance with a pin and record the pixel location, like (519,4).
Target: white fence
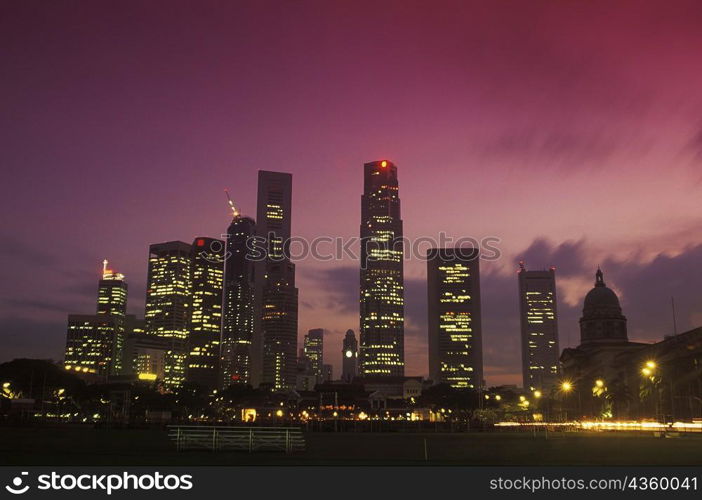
(215,438)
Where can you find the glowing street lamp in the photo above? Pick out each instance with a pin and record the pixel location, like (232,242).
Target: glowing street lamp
(566,386)
(537,394)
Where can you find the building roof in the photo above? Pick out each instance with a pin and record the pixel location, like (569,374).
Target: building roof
(601,297)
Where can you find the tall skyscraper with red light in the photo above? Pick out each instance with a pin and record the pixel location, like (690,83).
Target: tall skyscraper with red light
(382,282)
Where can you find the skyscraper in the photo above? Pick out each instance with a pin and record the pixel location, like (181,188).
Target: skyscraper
(349,357)
(539,325)
(382,284)
(279,325)
(314,352)
(112,301)
(112,293)
(89,344)
(238,314)
(168,302)
(274,344)
(95,343)
(455,332)
(207,275)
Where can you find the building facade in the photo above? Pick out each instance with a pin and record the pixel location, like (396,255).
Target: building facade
(381,276)
(349,357)
(279,324)
(313,351)
(112,301)
(168,303)
(454,317)
(205,331)
(274,343)
(238,313)
(539,329)
(89,344)
(95,342)
(144,355)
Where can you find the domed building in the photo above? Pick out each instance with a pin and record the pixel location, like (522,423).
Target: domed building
(608,376)
(602,321)
(604,351)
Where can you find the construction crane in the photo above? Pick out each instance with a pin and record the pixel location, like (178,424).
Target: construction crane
(235,212)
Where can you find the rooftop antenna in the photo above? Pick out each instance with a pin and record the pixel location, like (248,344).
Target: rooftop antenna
(235,212)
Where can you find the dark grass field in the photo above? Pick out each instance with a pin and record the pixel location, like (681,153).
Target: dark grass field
(90,446)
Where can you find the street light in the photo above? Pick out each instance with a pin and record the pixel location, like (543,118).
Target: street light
(537,394)
(648,371)
(566,386)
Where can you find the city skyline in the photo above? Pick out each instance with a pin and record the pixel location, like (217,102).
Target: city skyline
(593,130)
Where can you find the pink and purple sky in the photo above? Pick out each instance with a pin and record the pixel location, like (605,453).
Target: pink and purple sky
(570,130)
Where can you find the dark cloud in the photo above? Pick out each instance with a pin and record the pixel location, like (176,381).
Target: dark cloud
(17,252)
(560,149)
(694,145)
(647,290)
(341,285)
(568,257)
(24,305)
(25,337)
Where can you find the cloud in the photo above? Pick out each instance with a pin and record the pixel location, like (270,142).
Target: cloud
(21,305)
(647,290)
(568,257)
(26,337)
(694,145)
(558,148)
(17,252)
